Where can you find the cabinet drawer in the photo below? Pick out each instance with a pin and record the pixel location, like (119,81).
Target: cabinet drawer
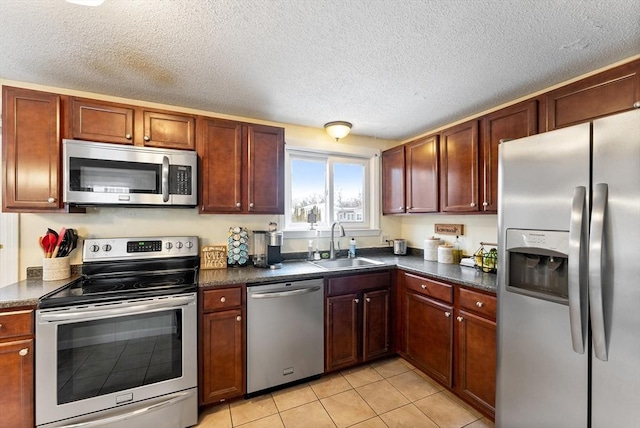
(480,303)
(354,284)
(427,287)
(18,323)
(224,298)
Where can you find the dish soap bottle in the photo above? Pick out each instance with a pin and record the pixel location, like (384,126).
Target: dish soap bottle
(352,248)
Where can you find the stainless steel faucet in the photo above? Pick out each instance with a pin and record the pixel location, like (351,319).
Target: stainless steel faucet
(332,251)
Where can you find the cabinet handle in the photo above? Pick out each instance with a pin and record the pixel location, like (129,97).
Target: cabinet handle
(472,204)
(223,299)
(408,208)
(424,287)
(356,300)
(479,304)
(447,314)
(485,204)
(460,319)
(238,204)
(636,104)
(23,352)
(127,136)
(251,205)
(368,299)
(0,326)
(146,138)
(238,318)
(400,207)
(51,200)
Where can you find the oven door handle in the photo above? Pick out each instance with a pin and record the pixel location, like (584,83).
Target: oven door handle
(274,294)
(121,309)
(173,399)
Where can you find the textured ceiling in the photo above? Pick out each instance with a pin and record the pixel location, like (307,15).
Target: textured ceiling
(394,68)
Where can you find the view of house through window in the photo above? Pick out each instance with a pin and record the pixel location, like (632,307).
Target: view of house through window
(327,188)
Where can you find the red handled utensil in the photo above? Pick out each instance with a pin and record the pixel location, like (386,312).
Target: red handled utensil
(58,242)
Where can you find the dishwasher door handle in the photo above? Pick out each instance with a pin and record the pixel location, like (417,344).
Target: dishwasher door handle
(294,292)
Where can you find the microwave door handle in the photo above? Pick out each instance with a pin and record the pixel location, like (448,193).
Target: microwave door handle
(165,179)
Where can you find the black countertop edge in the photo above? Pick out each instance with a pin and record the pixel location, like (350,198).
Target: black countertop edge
(27,292)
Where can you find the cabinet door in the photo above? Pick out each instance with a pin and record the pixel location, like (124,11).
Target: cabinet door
(16,384)
(517,121)
(476,380)
(101,121)
(169,130)
(459,168)
(222,370)
(429,336)
(610,92)
(220,151)
(422,175)
(265,169)
(30,150)
(341,330)
(393,176)
(376,323)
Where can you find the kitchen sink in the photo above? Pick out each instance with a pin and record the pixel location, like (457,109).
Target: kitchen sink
(357,262)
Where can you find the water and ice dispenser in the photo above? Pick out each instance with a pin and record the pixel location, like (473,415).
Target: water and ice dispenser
(537,263)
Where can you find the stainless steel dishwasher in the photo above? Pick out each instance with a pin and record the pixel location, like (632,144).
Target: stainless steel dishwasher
(285,333)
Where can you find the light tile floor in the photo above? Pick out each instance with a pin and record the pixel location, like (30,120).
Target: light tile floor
(388,393)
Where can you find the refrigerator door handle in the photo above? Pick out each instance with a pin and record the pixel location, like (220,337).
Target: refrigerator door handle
(577,269)
(596,239)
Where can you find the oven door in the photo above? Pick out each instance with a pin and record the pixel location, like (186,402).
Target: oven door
(94,358)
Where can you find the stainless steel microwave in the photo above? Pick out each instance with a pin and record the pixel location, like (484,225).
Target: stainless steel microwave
(113,174)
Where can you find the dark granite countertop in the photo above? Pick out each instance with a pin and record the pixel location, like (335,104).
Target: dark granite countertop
(29,291)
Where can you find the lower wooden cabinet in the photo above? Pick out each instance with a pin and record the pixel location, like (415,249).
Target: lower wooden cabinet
(222,345)
(357,319)
(17,369)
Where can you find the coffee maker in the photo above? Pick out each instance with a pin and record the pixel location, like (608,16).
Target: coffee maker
(266,247)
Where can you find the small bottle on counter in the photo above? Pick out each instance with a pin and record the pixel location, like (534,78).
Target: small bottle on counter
(457,251)
(352,248)
(310,250)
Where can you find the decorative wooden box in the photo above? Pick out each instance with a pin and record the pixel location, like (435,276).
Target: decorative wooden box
(213,257)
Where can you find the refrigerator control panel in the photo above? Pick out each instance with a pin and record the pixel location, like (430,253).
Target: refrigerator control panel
(550,240)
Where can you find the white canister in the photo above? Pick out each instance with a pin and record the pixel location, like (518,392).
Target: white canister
(445,254)
(55,268)
(431,249)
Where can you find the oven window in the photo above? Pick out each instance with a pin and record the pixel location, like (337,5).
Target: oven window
(116,354)
(100,176)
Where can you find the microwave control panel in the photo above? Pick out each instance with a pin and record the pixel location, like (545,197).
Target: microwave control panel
(180,180)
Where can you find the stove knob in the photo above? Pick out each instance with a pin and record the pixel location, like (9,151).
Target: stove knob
(168,245)
(106,247)
(179,245)
(189,244)
(95,248)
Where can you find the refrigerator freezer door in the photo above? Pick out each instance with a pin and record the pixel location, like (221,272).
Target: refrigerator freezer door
(616,162)
(541,381)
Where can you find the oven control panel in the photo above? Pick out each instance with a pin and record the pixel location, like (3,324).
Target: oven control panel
(139,248)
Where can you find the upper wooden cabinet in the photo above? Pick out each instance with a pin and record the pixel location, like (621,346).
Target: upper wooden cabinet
(393,176)
(242,167)
(612,91)
(108,122)
(459,162)
(410,177)
(30,150)
(516,121)
(422,175)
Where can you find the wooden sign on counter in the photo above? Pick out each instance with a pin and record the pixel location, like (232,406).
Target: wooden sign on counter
(449,229)
(213,257)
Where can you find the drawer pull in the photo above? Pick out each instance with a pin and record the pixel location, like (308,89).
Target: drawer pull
(447,314)
(479,304)
(356,300)
(460,319)
(238,318)
(223,299)
(424,287)
(23,352)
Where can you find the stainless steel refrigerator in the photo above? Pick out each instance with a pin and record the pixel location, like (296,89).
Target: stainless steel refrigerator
(569,277)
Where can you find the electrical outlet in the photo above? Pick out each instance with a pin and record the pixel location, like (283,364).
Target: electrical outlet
(384,239)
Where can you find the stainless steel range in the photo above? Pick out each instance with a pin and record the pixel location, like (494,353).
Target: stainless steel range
(117,347)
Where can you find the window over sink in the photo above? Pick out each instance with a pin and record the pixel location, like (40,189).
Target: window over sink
(329,186)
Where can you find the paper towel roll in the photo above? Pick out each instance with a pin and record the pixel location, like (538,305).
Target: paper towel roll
(431,249)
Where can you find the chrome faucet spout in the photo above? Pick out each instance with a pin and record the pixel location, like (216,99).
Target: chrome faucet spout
(332,251)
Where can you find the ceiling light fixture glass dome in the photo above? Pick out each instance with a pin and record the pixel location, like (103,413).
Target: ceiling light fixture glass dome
(338,129)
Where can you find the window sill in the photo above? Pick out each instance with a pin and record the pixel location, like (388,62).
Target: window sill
(325,233)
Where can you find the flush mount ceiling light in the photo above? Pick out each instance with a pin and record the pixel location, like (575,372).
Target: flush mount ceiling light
(338,129)
(87,2)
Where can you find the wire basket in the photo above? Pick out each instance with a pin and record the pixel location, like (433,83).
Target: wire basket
(486,261)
